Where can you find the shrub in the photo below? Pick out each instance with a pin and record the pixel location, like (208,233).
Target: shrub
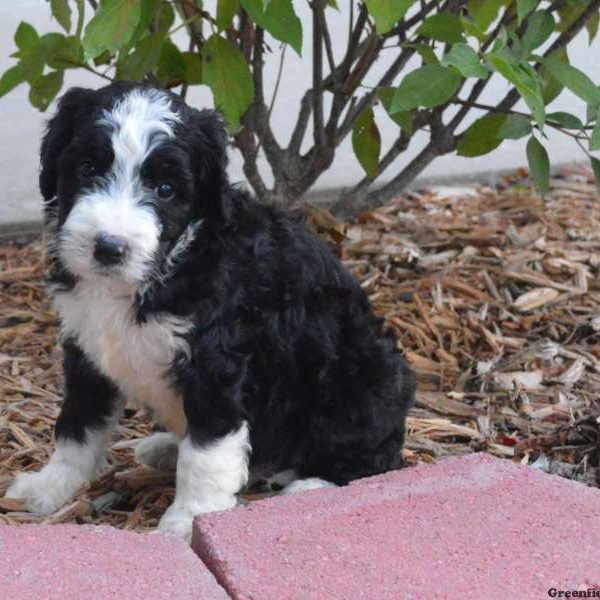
(460,45)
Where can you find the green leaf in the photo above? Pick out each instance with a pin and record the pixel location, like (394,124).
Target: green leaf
(595,137)
(404,118)
(112,27)
(596,169)
(552,88)
(428,86)
(425,52)
(279,19)
(225,71)
(104,59)
(386,13)
(26,37)
(515,127)
(482,136)
(541,25)
(44,89)
(565,120)
(61,52)
(31,64)
(592,26)
(62,13)
(579,83)
(80,17)
(143,59)
(11,79)
(539,165)
(443,27)
(226,10)
(570,13)
(525,79)
(170,70)
(472,29)
(465,59)
(366,142)
(485,12)
(524,7)
(162,18)
(193,68)
(152,14)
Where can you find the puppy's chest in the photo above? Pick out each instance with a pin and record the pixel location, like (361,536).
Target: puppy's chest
(136,357)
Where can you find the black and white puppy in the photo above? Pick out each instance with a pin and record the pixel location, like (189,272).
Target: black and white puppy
(233,323)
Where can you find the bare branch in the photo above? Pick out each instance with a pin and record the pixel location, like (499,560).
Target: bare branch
(353,43)
(278,80)
(317,95)
(189,13)
(355,47)
(301,124)
(256,125)
(342,96)
(387,79)
(352,199)
(405,24)
(257,116)
(327,38)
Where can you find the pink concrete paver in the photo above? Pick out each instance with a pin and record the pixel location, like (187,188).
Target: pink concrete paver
(71,562)
(474,527)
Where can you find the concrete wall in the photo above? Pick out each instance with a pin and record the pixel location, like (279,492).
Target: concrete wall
(21,125)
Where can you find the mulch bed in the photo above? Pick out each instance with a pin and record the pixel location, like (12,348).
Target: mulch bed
(494,295)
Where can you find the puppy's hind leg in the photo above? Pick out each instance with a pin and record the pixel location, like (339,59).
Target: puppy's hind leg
(304,485)
(158,451)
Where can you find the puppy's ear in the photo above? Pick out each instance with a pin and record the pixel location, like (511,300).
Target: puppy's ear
(209,141)
(59,132)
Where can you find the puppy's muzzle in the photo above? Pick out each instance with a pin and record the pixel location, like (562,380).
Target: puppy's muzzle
(110,250)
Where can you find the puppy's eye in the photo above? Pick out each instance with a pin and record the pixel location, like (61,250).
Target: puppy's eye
(165,190)
(87,169)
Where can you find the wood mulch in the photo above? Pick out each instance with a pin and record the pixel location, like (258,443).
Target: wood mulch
(494,295)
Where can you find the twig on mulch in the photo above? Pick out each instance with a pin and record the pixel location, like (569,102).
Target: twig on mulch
(493,293)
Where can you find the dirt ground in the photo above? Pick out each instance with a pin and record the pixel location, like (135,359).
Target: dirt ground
(494,295)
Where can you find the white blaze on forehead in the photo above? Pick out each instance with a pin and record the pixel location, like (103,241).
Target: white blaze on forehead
(138,123)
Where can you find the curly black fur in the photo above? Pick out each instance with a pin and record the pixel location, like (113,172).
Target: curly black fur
(282,335)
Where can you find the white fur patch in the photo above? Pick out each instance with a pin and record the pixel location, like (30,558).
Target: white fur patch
(138,123)
(138,120)
(99,315)
(304,485)
(158,451)
(71,465)
(208,479)
(114,212)
(283,478)
(164,272)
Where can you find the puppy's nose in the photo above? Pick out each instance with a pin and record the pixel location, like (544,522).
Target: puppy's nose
(109,249)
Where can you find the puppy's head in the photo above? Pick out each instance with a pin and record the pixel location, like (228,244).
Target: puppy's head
(124,170)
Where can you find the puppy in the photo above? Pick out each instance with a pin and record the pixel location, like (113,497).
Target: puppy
(234,324)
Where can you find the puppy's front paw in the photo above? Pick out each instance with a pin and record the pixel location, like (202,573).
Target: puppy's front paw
(158,451)
(48,489)
(177,521)
(179,517)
